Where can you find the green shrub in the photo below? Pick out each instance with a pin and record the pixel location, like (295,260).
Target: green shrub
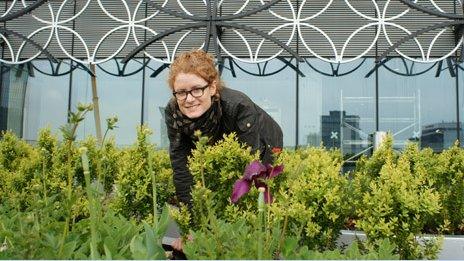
(20,167)
(133,196)
(447,176)
(314,196)
(29,234)
(397,201)
(37,234)
(384,250)
(230,240)
(215,170)
(56,224)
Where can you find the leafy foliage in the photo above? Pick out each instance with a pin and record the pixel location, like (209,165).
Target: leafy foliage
(397,201)
(215,170)
(225,240)
(313,197)
(134,182)
(45,214)
(447,176)
(37,235)
(52,207)
(384,251)
(19,164)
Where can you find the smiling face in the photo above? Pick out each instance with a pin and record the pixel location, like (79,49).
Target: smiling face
(193,107)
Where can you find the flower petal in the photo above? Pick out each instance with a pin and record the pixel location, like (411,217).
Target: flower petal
(241,187)
(275,171)
(254,168)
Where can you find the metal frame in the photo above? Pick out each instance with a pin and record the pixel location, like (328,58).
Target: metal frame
(214,23)
(26,10)
(457,22)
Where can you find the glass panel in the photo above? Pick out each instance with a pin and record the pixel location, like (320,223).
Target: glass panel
(275,93)
(337,111)
(157,95)
(417,108)
(46,100)
(118,96)
(460,72)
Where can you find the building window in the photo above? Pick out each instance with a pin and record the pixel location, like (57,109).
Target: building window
(275,93)
(338,112)
(46,100)
(418,108)
(118,96)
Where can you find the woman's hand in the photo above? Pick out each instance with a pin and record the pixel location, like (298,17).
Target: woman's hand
(178,244)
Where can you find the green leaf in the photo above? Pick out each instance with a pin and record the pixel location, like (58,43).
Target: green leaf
(387,250)
(163,222)
(137,248)
(110,243)
(107,252)
(150,240)
(353,251)
(290,244)
(68,250)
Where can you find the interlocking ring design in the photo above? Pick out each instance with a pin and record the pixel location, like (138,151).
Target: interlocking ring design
(54,24)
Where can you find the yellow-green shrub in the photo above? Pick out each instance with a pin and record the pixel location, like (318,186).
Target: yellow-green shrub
(133,182)
(396,200)
(220,166)
(314,196)
(447,175)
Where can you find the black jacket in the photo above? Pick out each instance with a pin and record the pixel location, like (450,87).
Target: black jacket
(241,115)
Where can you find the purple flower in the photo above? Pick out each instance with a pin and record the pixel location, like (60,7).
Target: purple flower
(258,174)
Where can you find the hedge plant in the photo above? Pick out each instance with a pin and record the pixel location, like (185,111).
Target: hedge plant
(392,195)
(133,181)
(314,197)
(215,169)
(447,176)
(396,201)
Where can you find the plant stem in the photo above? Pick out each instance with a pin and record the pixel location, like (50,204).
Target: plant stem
(268,220)
(202,171)
(154,192)
(92,205)
(260,222)
(104,137)
(68,206)
(44,180)
(70,137)
(282,234)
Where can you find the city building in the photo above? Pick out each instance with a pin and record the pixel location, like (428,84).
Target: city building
(438,136)
(339,128)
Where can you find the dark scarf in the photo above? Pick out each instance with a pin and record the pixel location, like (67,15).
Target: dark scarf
(208,123)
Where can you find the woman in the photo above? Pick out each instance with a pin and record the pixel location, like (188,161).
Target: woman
(202,103)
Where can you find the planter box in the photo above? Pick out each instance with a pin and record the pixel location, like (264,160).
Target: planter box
(452,248)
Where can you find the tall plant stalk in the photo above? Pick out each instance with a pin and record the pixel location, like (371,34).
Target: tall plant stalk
(267,218)
(69,134)
(260,222)
(44,173)
(110,125)
(282,234)
(92,205)
(154,192)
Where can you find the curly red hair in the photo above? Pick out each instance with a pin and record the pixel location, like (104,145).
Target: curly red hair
(199,63)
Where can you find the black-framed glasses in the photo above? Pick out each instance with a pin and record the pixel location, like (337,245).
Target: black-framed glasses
(196,92)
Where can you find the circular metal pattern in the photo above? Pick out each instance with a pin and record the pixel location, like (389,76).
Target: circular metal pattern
(54,24)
